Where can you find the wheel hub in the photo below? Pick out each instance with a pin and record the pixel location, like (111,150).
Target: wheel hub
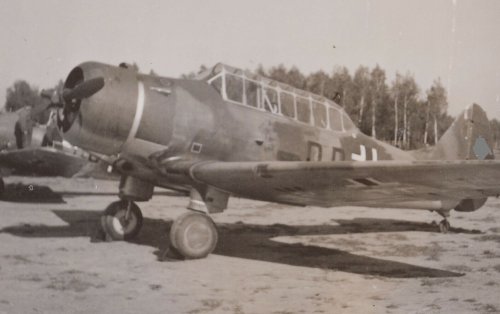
(197,236)
(123,224)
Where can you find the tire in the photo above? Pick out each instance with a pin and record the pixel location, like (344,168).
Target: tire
(193,235)
(114,224)
(444,226)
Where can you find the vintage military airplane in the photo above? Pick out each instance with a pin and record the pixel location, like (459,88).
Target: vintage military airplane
(27,148)
(230,132)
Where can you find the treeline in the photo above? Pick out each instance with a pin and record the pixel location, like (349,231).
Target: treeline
(399,112)
(21,94)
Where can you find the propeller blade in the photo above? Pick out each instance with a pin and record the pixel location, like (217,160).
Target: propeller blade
(84,89)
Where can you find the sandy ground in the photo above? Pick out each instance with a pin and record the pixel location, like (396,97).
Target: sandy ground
(270,258)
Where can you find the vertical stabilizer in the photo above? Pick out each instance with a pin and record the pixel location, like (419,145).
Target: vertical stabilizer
(469,137)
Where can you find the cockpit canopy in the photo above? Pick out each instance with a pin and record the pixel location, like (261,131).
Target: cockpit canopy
(255,91)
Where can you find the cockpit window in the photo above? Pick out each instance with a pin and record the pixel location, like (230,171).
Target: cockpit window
(217,84)
(248,89)
(287,105)
(319,114)
(335,119)
(303,110)
(234,88)
(347,122)
(270,100)
(252,92)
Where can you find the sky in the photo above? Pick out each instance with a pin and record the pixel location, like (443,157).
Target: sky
(455,41)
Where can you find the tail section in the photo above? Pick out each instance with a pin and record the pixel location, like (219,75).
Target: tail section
(468,138)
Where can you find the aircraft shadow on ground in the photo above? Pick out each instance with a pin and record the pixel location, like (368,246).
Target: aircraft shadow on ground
(30,193)
(256,242)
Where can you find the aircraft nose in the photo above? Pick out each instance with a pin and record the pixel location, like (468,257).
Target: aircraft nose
(99,105)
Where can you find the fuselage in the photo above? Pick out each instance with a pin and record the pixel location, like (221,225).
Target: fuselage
(226,115)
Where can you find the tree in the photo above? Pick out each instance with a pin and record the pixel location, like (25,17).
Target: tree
(192,75)
(378,90)
(361,82)
(437,105)
(316,82)
(278,73)
(20,95)
(408,91)
(340,87)
(296,78)
(395,93)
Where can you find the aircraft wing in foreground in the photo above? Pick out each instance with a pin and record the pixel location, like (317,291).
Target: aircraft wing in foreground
(433,185)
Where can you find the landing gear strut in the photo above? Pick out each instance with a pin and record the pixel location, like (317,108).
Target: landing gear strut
(193,235)
(122,220)
(444,225)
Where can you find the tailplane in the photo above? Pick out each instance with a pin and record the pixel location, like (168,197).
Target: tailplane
(468,138)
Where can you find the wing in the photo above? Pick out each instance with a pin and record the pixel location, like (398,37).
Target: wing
(42,161)
(356,183)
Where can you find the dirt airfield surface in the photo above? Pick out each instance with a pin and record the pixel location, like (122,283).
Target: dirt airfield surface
(270,258)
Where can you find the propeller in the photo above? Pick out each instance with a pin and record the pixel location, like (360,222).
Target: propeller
(70,100)
(83,90)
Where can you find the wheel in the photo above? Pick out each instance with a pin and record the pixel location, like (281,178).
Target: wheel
(444,226)
(193,235)
(122,220)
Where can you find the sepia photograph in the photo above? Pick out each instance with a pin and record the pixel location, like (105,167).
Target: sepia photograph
(248,157)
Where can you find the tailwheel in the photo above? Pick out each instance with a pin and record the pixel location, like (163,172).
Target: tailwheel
(122,220)
(444,226)
(193,235)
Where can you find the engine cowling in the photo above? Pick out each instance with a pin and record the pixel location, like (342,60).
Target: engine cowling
(100,105)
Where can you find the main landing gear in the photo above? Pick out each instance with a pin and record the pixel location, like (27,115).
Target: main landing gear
(192,235)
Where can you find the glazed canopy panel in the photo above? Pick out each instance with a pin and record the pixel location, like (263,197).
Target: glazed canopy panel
(258,92)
